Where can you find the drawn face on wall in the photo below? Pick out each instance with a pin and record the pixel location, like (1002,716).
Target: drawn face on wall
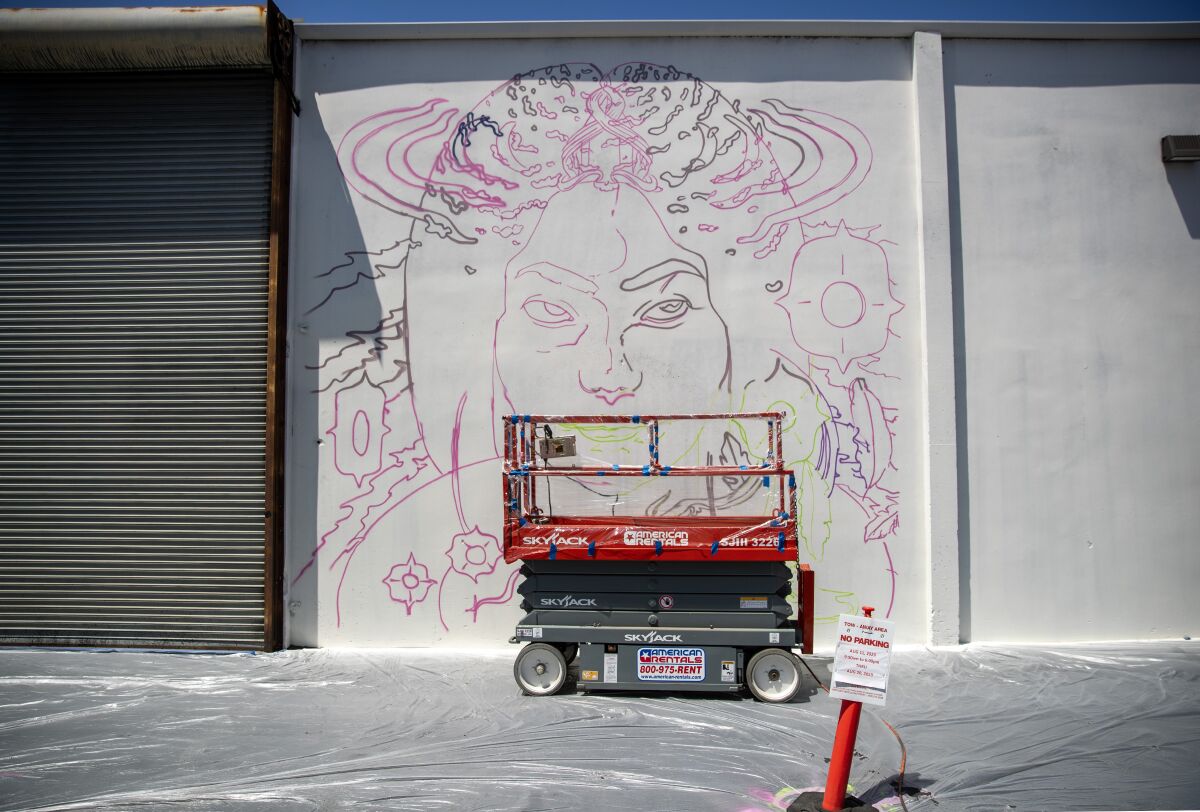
(605,313)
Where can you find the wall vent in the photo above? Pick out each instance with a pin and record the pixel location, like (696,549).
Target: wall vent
(1180,148)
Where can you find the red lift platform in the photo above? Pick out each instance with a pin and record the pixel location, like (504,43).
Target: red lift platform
(530,533)
(654,594)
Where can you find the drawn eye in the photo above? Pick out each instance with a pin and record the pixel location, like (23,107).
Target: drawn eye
(667,312)
(547,314)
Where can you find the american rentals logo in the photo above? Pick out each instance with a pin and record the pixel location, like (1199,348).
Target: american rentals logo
(646,538)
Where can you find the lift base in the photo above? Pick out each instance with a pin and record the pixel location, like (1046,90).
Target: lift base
(659,667)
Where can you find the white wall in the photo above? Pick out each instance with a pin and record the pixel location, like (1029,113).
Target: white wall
(1075,262)
(1079,274)
(395,352)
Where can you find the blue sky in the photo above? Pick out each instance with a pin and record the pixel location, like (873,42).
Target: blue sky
(330,11)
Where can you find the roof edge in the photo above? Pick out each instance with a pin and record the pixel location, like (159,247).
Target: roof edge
(133,38)
(573,29)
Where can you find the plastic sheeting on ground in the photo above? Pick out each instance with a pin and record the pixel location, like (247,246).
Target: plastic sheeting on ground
(986,728)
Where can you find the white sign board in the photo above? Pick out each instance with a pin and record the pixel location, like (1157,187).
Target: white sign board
(671,664)
(863,659)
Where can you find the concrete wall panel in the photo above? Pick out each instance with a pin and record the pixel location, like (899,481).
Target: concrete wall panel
(1079,280)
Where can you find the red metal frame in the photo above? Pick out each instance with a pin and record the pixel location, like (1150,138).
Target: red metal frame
(530,535)
(806,616)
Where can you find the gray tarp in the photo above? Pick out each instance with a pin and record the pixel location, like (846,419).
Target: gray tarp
(1114,727)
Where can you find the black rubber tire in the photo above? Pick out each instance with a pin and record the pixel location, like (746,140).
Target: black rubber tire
(570,651)
(550,659)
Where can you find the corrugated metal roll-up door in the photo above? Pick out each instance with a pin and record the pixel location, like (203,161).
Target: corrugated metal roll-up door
(133,355)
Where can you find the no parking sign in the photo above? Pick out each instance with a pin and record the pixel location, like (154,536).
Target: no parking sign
(863,659)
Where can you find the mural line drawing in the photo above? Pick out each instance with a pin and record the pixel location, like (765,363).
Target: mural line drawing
(639,241)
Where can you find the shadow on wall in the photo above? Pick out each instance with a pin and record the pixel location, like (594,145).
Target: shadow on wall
(330,269)
(1035,63)
(820,60)
(1184,180)
(952,68)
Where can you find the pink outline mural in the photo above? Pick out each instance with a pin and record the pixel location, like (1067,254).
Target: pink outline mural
(609,206)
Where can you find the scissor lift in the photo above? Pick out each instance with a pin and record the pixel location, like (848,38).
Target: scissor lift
(690,602)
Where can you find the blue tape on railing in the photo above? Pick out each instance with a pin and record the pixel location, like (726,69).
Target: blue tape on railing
(553,551)
(601,473)
(637,418)
(791,480)
(774,523)
(666,470)
(516,418)
(715,546)
(782,541)
(592,549)
(526,418)
(766,482)
(616,467)
(785,515)
(645,470)
(743,467)
(512,505)
(657,547)
(765,465)
(522,522)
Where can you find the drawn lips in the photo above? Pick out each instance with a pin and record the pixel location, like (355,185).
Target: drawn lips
(611,396)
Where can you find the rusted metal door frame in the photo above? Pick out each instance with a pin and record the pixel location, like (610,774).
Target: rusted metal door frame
(280,43)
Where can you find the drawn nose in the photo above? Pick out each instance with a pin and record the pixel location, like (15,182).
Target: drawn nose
(610,384)
(610,377)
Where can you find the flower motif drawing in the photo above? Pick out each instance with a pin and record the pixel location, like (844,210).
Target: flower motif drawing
(839,298)
(358,429)
(474,553)
(408,583)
